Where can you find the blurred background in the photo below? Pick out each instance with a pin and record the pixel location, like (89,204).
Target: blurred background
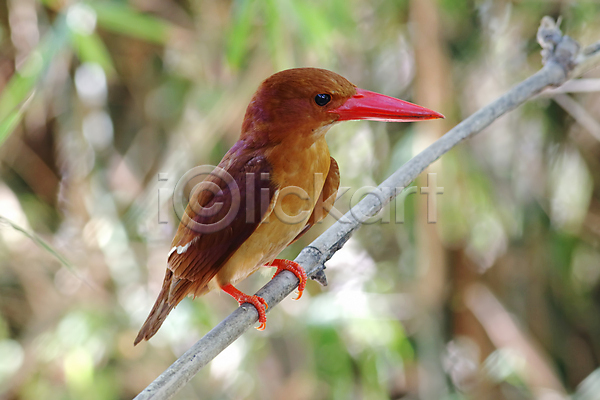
(105,104)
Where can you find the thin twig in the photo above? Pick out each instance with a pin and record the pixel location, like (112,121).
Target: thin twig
(505,333)
(580,114)
(587,59)
(560,53)
(575,86)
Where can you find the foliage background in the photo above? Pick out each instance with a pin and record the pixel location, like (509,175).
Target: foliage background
(498,300)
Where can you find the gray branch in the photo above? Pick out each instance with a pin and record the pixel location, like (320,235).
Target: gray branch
(562,61)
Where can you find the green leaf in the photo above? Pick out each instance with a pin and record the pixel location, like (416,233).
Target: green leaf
(316,29)
(90,48)
(8,124)
(14,94)
(39,241)
(22,84)
(276,35)
(240,33)
(125,20)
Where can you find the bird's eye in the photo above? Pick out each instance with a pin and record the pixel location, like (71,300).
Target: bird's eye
(322,98)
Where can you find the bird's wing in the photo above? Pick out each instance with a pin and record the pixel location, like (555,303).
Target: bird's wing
(205,239)
(326,199)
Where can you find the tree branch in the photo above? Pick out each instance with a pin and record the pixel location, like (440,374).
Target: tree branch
(562,61)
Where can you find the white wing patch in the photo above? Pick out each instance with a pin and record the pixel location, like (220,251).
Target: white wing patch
(179,249)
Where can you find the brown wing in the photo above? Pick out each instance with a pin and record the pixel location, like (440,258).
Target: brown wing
(224,210)
(216,224)
(326,199)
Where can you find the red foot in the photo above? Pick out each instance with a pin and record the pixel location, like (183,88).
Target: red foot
(295,268)
(258,302)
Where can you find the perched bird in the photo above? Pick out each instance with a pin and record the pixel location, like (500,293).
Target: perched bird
(273,184)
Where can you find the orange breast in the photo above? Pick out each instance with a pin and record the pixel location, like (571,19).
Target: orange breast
(300,175)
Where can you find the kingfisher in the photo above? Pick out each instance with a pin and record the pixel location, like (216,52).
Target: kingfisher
(271,187)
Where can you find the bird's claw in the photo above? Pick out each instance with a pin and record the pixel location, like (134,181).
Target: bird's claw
(261,307)
(258,302)
(296,269)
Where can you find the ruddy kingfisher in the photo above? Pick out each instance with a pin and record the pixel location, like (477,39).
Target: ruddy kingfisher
(276,182)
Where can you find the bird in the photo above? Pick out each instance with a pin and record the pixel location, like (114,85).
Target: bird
(270,188)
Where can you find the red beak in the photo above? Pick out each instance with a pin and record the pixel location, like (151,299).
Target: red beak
(378,107)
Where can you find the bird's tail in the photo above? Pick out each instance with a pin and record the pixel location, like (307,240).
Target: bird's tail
(159,312)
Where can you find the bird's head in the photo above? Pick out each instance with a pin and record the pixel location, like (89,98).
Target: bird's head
(307,101)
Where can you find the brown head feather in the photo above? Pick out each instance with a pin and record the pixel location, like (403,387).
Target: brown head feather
(284,104)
